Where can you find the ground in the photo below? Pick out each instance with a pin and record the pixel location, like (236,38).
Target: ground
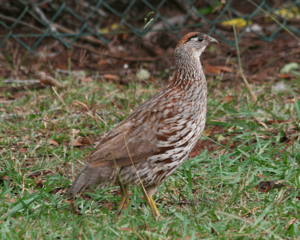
(242,178)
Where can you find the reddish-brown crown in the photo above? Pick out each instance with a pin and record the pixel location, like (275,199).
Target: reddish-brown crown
(186,38)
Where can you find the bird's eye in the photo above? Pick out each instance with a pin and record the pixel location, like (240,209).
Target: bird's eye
(200,39)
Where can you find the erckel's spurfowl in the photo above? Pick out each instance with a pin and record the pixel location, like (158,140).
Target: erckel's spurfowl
(155,139)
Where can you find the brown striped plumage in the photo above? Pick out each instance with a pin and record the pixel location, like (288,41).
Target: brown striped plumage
(154,140)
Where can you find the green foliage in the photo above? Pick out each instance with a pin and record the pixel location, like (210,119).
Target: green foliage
(210,196)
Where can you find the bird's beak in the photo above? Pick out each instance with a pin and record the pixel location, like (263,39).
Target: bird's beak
(212,40)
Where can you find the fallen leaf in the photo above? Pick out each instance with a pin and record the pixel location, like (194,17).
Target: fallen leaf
(259,175)
(288,13)
(53,142)
(290,100)
(289,67)
(39,182)
(108,29)
(22,150)
(76,143)
(87,141)
(237,22)
(102,62)
(216,69)
(111,77)
(228,98)
(4,178)
(266,186)
(293,220)
(277,121)
(285,75)
(11,200)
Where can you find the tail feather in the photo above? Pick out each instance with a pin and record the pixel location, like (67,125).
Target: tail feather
(91,176)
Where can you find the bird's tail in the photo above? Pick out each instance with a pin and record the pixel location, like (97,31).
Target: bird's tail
(91,176)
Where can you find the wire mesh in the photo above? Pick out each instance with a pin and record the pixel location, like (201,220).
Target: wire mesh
(30,22)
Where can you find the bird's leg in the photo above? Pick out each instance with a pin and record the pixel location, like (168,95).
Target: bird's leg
(124,199)
(148,192)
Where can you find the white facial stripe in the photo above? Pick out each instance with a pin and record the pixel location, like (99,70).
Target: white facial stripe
(195,39)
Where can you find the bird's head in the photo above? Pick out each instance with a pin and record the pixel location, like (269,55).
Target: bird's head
(194,43)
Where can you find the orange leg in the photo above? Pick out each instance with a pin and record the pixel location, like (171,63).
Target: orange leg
(148,195)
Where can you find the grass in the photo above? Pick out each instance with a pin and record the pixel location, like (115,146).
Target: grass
(212,196)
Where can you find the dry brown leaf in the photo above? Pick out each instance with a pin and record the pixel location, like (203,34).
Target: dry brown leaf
(87,141)
(217,69)
(285,75)
(293,220)
(266,186)
(39,182)
(4,178)
(11,200)
(277,121)
(102,62)
(22,150)
(228,98)
(259,175)
(290,100)
(76,143)
(111,77)
(53,142)
(83,105)
(116,104)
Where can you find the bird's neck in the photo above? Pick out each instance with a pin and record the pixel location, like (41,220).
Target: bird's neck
(189,72)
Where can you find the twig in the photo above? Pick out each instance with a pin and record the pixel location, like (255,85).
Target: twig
(11,19)
(247,84)
(281,200)
(82,58)
(129,59)
(90,39)
(21,81)
(240,65)
(99,11)
(44,18)
(45,79)
(22,88)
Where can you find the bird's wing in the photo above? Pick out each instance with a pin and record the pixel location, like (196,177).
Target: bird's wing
(130,142)
(135,138)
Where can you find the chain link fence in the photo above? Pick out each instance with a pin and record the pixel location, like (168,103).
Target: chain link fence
(97,21)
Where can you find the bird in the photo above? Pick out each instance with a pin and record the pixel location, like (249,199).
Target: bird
(156,138)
